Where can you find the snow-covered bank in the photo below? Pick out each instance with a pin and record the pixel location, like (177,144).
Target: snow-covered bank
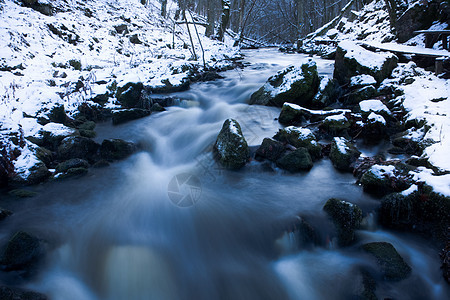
(422,96)
(80,51)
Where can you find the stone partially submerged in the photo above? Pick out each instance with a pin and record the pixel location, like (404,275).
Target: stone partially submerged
(300,137)
(346,217)
(298,85)
(231,148)
(353,60)
(343,154)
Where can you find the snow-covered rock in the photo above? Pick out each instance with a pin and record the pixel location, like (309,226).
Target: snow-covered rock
(353,60)
(294,84)
(343,154)
(299,137)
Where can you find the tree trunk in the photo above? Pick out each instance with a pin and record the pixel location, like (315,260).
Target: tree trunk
(210,19)
(224,19)
(163,8)
(190,35)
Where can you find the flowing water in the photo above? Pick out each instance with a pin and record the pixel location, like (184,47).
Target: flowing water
(169,223)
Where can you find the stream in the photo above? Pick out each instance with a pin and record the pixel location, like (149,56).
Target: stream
(169,223)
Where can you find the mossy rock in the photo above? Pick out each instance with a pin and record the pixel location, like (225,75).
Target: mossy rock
(292,114)
(300,137)
(72,172)
(78,147)
(37,174)
(381,180)
(329,92)
(22,252)
(296,161)
(391,264)
(114,149)
(335,124)
(57,114)
(21,193)
(343,154)
(4,213)
(346,217)
(71,163)
(231,148)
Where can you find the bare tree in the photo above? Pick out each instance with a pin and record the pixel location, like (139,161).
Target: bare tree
(224,19)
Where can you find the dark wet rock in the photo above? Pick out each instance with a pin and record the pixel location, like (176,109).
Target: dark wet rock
(44,8)
(361,94)
(121,29)
(112,149)
(87,133)
(346,217)
(305,235)
(71,163)
(407,142)
(134,39)
(4,213)
(299,137)
(57,114)
(71,173)
(365,286)
(101,164)
(78,147)
(343,154)
(168,87)
(8,293)
(381,180)
(421,15)
(231,148)
(21,193)
(157,108)
(352,59)
(22,252)
(296,161)
(362,164)
(375,128)
(391,264)
(125,115)
(329,92)
(422,211)
(37,174)
(270,149)
(295,85)
(129,96)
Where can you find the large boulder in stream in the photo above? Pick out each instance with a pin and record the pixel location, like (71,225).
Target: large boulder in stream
(352,60)
(297,85)
(296,161)
(346,217)
(22,253)
(384,179)
(112,149)
(270,149)
(231,148)
(343,154)
(391,264)
(78,147)
(299,137)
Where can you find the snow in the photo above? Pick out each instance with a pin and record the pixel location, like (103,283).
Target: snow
(373,106)
(303,133)
(382,171)
(427,99)
(363,79)
(440,184)
(25,161)
(394,47)
(336,118)
(316,112)
(341,144)
(47,76)
(413,188)
(365,57)
(375,118)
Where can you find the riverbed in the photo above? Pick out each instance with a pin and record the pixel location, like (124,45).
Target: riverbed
(170,223)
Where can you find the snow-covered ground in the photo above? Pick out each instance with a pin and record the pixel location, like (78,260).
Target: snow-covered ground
(425,97)
(96,45)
